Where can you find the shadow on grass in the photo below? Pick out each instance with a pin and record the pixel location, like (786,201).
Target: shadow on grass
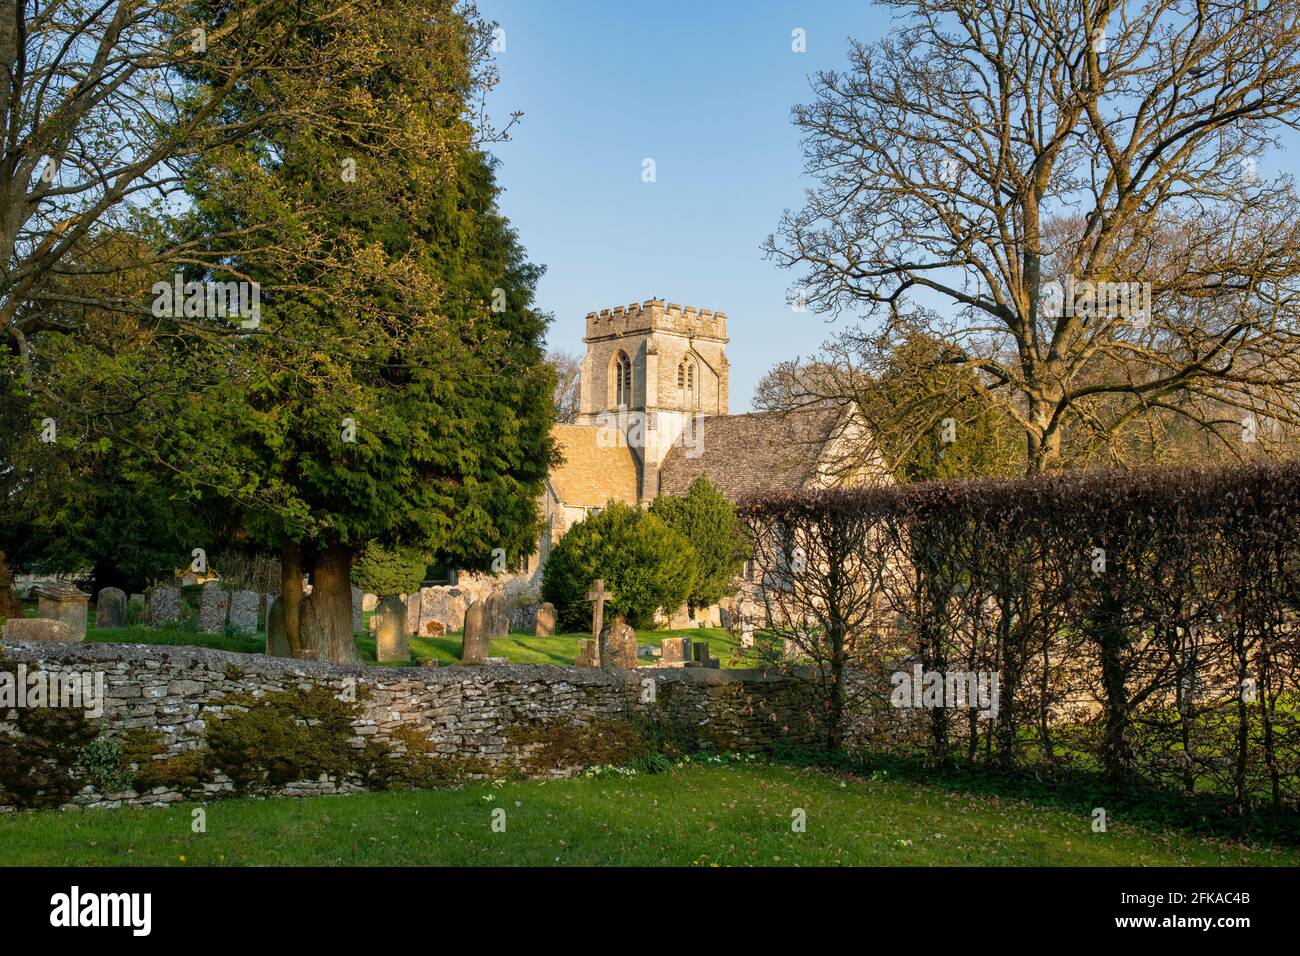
(1073,789)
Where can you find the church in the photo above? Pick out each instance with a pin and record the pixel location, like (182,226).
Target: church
(654,415)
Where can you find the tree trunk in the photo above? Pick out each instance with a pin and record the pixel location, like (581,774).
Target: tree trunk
(291,594)
(327,611)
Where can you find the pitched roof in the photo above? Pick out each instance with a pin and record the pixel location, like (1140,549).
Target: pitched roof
(590,474)
(750,454)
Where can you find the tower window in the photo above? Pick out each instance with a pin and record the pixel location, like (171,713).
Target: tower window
(686,382)
(622,379)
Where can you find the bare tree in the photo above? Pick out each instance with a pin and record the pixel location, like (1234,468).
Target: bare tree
(1081,183)
(568,395)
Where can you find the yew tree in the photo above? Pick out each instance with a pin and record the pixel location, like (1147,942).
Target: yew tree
(401,396)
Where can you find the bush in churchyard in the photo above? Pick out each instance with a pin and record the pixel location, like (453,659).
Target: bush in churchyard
(645,564)
(709,522)
(382,570)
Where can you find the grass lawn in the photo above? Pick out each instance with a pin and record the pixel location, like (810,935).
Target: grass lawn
(697,814)
(519,647)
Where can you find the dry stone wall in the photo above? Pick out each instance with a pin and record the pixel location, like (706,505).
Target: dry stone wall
(183,723)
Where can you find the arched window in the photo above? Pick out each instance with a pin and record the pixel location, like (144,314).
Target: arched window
(686,374)
(621,380)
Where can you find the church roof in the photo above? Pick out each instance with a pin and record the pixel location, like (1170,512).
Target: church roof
(590,474)
(751,454)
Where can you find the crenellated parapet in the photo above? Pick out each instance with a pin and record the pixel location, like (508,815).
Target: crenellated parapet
(656,315)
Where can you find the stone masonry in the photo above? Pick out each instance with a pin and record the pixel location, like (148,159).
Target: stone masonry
(461,713)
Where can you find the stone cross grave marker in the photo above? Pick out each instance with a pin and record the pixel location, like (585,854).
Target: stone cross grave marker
(598,596)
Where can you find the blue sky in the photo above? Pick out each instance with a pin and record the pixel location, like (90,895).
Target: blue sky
(705,90)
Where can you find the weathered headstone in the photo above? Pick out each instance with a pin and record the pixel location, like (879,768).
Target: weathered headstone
(392,642)
(746,633)
(369,602)
(277,645)
(675,650)
(358,596)
(110,608)
(474,647)
(442,609)
(39,629)
(63,602)
(413,613)
(547,621)
(700,655)
(498,618)
(588,653)
(213,605)
(243,612)
(618,644)
(164,605)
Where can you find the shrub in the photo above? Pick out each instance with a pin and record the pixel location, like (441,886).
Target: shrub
(1170,597)
(709,522)
(643,562)
(382,570)
(10,606)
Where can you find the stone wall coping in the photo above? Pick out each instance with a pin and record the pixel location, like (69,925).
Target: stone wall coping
(185,656)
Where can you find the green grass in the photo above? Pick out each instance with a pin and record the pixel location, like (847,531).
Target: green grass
(696,814)
(518,647)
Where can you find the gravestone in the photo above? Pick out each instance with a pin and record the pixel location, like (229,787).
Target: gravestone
(498,618)
(443,607)
(358,596)
(110,608)
(243,612)
(474,647)
(413,613)
(700,655)
(369,602)
(135,609)
(63,602)
(164,605)
(547,621)
(746,633)
(588,653)
(675,650)
(392,642)
(277,645)
(618,644)
(213,605)
(39,629)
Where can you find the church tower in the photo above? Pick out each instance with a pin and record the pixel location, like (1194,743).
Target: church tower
(655,368)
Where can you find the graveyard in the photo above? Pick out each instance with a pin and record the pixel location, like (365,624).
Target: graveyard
(364,503)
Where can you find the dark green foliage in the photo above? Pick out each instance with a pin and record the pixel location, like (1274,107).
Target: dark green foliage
(102,761)
(37,765)
(645,564)
(709,522)
(383,570)
(283,737)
